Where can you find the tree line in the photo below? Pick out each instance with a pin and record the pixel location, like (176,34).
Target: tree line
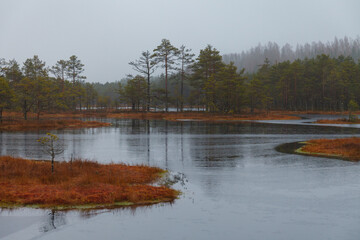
(38,88)
(253,58)
(319,83)
(206,81)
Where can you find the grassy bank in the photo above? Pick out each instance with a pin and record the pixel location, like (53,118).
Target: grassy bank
(338,121)
(171,116)
(48,124)
(345,148)
(78,184)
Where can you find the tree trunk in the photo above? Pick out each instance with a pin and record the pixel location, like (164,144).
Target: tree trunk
(182,89)
(52,163)
(148,91)
(166,87)
(1,111)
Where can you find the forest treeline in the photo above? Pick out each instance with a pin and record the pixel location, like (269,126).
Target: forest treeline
(206,81)
(35,87)
(318,83)
(253,58)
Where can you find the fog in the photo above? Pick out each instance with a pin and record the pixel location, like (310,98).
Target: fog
(107,34)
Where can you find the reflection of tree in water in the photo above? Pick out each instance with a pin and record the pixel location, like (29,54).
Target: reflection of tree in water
(53,220)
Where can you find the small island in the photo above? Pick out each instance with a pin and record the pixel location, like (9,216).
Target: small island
(343,148)
(79,184)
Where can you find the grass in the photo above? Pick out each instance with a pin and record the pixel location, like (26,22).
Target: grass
(338,121)
(48,124)
(345,148)
(203,116)
(171,116)
(80,184)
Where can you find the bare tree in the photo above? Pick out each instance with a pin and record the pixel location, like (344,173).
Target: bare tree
(186,58)
(145,65)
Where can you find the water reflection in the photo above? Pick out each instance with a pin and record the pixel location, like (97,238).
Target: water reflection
(53,220)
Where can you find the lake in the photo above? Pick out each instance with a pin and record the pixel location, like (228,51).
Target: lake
(236,186)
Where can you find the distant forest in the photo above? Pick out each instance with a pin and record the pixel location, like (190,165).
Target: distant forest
(252,59)
(312,77)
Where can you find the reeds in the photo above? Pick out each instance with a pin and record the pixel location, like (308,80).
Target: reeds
(24,182)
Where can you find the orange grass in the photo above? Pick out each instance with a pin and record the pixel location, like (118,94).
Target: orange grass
(347,148)
(23,125)
(30,182)
(171,116)
(203,116)
(337,121)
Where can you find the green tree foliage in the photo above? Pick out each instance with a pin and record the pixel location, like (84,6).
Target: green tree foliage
(353,106)
(6,95)
(134,92)
(207,65)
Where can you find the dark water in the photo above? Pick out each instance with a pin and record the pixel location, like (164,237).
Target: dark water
(238,186)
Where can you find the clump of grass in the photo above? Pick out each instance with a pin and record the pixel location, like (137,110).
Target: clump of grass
(347,148)
(24,125)
(29,182)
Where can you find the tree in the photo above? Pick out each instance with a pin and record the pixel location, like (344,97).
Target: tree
(353,106)
(52,147)
(146,66)
(208,63)
(13,72)
(186,58)
(134,92)
(74,70)
(165,53)
(6,95)
(34,68)
(25,93)
(59,70)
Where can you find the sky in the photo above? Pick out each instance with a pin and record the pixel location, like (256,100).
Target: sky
(107,34)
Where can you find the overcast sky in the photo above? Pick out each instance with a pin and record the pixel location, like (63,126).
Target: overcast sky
(107,34)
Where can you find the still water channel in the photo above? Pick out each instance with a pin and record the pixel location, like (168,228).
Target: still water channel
(238,186)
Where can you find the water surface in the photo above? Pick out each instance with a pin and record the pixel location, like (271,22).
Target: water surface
(238,186)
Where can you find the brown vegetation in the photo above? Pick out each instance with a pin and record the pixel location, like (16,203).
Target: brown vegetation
(338,121)
(345,148)
(201,116)
(48,124)
(29,182)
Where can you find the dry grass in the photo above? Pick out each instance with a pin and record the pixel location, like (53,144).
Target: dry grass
(171,116)
(48,124)
(338,121)
(347,148)
(203,116)
(28,182)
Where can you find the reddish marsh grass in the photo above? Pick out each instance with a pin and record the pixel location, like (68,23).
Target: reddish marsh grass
(204,116)
(24,125)
(337,121)
(29,182)
(347,148)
